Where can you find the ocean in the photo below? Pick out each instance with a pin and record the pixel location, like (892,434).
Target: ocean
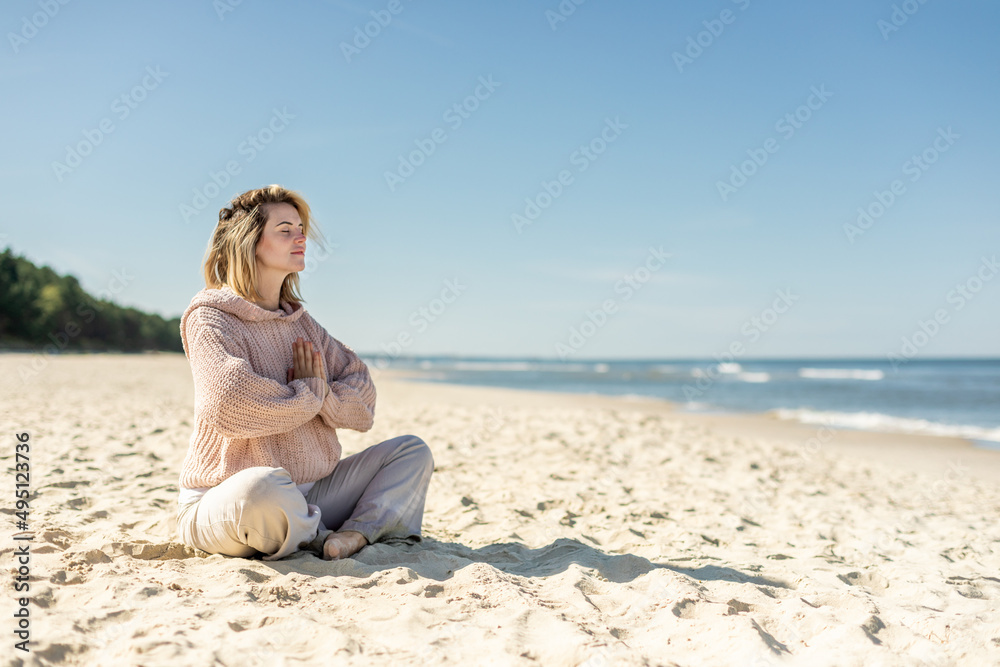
(949,397)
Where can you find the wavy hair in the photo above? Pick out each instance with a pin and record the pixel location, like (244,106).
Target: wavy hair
(231,258)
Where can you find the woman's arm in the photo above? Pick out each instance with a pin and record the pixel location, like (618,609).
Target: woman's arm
(351,401)
(237,401)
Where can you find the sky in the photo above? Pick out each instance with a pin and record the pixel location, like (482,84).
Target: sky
(579,179)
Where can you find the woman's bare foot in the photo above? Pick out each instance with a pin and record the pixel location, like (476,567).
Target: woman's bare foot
(343,544)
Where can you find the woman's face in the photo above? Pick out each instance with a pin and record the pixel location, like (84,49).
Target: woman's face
(282,244)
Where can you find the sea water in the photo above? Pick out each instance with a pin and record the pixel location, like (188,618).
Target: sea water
(948,397)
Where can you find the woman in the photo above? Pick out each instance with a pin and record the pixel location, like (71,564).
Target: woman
(263,471)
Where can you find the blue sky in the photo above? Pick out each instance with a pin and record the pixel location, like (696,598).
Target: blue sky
(673,130)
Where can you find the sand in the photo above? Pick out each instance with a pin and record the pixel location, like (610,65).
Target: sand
(559,530)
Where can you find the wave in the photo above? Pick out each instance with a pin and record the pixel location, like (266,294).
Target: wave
(876,421)
(754,377)
(509,366)
(643,397)
(493,366)
(727,368)
(841,374)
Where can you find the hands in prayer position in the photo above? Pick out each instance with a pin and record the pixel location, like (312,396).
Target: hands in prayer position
(308,363)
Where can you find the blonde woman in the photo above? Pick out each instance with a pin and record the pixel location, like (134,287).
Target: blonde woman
(263,472)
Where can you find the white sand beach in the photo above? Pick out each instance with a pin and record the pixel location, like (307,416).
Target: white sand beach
(559,530)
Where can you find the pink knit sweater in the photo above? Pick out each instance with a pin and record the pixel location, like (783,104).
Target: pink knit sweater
(245,413)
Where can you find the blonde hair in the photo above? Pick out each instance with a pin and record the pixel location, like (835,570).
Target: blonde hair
(231,258)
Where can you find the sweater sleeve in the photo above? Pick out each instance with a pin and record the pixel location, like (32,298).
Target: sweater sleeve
(234,399)
(351,401)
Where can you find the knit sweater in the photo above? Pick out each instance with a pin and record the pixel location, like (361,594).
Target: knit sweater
(245,413)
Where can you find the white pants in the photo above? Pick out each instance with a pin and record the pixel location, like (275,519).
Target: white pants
(379,492)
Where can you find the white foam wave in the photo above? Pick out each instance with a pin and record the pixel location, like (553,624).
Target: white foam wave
(729,368)
(493,365)
(754,377)
(841,374)
(642,397)
(508,366)
(876,421)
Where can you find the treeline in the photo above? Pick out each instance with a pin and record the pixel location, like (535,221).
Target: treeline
(41,311)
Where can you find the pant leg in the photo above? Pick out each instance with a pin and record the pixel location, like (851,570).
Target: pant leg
(256,510)
(379,492)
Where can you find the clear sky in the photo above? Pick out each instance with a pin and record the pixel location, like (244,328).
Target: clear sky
(737,139)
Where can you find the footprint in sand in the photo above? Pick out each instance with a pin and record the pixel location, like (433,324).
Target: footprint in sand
(871,580)
(142,550)
(735,607)
(78,503)
(64,578)
(94,516)
(976,588)
(59,538)
(686,608)
(255,576)
(66,485)
(433,591)
(86,558)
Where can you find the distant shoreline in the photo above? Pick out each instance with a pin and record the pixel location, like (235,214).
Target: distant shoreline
(554,360)
(749,419)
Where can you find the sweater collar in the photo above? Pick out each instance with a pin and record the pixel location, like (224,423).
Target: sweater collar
(225,299)
(231,302)
(228,301)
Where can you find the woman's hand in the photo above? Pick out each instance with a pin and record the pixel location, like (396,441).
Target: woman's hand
(308,363)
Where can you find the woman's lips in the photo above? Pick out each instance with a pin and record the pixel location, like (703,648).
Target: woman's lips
(299,252)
